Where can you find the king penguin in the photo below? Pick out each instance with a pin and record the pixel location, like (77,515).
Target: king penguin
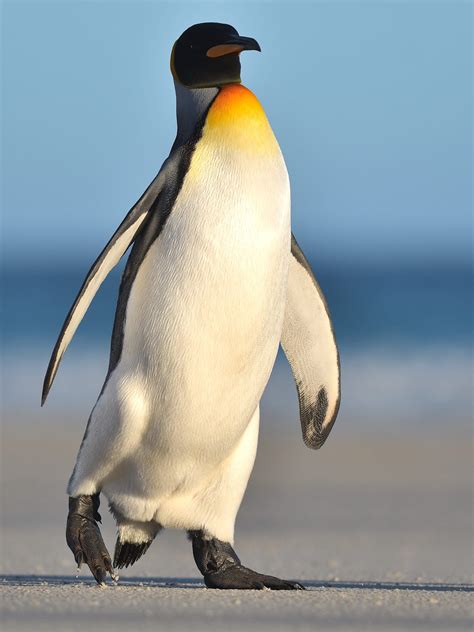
(214,282)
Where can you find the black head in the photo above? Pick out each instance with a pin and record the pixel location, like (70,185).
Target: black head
(207,55)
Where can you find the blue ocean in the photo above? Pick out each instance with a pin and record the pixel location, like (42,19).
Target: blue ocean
(404,333)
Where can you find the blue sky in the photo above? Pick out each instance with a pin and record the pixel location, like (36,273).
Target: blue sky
(371,102)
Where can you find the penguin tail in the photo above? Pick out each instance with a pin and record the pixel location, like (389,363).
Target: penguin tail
(133,538)
(127,553)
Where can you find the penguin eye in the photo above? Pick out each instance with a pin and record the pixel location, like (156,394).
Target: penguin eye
(197,48)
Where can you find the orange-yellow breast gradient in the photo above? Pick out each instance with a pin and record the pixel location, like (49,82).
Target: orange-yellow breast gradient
(236,117)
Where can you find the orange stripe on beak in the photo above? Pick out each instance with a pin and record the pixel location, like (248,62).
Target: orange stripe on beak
(224,49)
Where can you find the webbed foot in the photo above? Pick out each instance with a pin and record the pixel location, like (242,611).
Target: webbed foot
(84,538)
(221,567)
(240,577)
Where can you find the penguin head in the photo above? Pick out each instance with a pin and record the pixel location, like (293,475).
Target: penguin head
(207,55)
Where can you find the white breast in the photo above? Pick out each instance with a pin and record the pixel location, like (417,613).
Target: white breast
(205,312)
(201,333)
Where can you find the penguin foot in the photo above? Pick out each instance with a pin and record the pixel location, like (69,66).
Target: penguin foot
(127,553)
(221,567)
(84,538)
(242,578)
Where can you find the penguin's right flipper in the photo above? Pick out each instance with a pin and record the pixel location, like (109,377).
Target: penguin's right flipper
(310,346)
(108,259)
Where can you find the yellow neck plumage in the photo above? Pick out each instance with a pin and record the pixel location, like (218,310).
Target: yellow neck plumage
(237,117)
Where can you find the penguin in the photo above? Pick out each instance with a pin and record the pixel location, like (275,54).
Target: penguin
(214,282)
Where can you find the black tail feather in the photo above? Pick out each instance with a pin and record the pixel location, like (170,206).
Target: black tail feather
(127,553)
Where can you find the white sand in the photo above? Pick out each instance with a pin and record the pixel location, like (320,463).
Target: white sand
(393,509)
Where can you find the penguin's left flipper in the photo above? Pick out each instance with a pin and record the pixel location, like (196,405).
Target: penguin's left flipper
(84,538)
(309,344)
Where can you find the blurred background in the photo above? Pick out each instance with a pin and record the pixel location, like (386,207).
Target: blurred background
(372,105)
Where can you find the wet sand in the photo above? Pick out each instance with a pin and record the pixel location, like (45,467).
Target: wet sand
(377,525)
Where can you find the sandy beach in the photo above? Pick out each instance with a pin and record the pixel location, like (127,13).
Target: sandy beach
(378,526)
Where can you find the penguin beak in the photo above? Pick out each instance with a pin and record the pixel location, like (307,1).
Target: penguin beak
(234,45)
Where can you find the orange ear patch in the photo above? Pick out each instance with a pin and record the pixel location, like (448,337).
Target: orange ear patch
(224,49)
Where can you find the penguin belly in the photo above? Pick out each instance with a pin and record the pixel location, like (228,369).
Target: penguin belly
(172,438)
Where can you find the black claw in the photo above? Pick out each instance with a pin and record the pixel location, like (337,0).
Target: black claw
(99,573)
(108,565)
(79,559)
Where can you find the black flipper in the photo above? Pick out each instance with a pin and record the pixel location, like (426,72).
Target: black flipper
(108,259)
(221,567)
(310,346)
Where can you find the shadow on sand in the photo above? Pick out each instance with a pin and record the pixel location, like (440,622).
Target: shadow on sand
(193,583)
